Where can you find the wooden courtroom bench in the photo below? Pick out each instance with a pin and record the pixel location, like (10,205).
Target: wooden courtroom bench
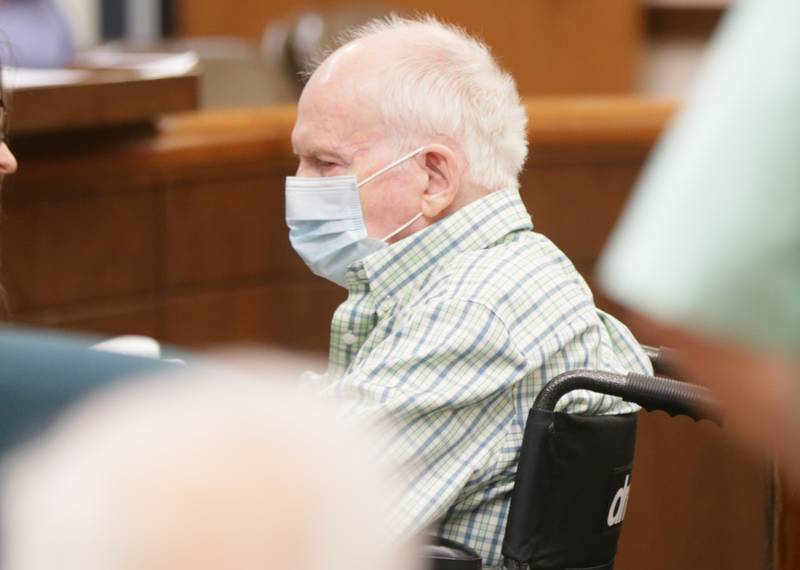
(176,230)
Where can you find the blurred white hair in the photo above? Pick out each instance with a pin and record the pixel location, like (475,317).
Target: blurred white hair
(438,80)
(200,471)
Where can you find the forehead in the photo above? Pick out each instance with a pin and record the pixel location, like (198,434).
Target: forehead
(339,105)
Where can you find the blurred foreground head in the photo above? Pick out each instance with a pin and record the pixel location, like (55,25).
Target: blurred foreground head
(200,471)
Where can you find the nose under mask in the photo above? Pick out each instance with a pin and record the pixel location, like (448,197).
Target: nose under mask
(326,221)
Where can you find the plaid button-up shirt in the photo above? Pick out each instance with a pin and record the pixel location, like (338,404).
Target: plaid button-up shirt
(450,334)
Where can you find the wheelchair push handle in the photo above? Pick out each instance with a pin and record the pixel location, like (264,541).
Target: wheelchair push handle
(651,392)
(674,397)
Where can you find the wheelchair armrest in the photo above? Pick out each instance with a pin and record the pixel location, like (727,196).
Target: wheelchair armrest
(443,554)
(650,392)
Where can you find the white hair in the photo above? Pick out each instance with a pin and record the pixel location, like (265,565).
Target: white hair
(438,80)
(212,470)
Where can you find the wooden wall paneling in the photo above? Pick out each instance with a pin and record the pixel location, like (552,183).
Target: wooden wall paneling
(695,501)
(787,525)
(554,47)
(291,315)
(598,126)
(576,205)
(676,20)
(86,249)
(206,18)
(550,46)
(80,164)
(233,315)
(310,307)
(226,231)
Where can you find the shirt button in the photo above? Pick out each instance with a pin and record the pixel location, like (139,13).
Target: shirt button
(349,338)
(385,309)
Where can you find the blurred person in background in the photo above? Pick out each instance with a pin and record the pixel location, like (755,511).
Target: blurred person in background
(201,471)
(8,162)
(411,140)
(8,165)
(708,251)
(36,33)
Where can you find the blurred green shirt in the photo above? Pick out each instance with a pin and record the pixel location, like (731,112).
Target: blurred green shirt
(711,238)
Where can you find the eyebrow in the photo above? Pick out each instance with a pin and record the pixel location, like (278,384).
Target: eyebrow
(313,148)
(316,150)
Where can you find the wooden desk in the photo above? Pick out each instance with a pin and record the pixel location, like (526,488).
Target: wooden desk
(49,101)
(178,233)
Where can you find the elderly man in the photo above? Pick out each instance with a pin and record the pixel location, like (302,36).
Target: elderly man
(411,140)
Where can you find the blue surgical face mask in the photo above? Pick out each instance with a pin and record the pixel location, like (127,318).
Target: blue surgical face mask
(326,222)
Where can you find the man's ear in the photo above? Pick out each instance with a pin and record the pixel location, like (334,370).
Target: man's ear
(444,179)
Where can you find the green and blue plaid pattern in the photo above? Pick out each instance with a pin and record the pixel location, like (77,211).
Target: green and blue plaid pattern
(450,334)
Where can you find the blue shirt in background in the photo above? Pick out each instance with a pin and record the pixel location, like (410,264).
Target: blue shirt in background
(34,33)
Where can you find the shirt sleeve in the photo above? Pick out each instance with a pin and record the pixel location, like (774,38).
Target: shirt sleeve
(440,384)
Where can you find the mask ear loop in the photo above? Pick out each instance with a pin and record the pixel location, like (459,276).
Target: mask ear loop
(403,158)
(401,228)
(373,176)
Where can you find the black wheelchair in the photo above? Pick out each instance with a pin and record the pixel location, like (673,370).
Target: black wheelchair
(573,479)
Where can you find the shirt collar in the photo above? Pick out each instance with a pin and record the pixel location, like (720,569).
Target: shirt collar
(393,270)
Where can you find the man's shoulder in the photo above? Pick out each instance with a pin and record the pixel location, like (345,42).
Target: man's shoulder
(510,273)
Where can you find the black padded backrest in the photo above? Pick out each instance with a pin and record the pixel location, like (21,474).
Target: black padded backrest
(571,490)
